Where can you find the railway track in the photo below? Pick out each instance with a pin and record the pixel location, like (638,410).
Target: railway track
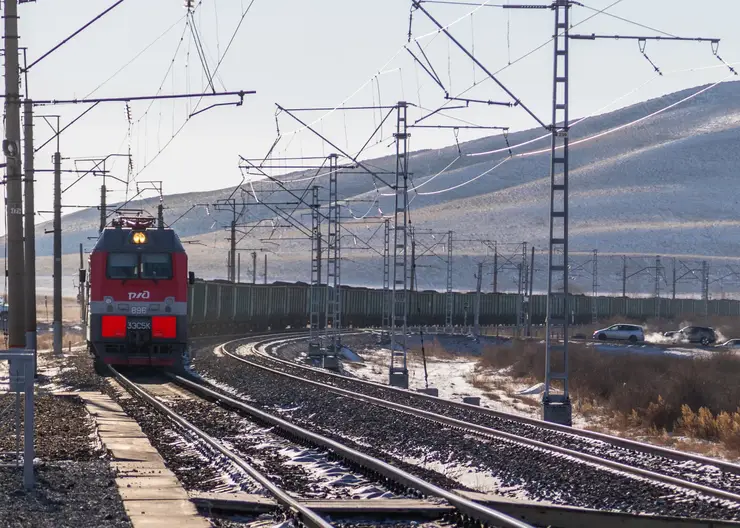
(712,478)
(465,508)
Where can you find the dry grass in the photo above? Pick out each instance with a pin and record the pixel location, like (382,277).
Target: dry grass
(697,397)
(45,341)
(722,427)
(45,309)
(433,349)
(493,387)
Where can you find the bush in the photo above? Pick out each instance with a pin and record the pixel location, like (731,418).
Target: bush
(654,392)
(722,427)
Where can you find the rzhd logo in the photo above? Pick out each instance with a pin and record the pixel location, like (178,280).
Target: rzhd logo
(142,295)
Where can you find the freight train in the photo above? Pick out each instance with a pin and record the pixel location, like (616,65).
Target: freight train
(137,296)
(142,304)
(220,307)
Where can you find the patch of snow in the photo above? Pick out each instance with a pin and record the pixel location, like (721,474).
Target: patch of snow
(454,378)
(479,481)
(349,355)
(534,389)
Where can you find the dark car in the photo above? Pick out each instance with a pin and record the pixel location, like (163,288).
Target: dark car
(693,334)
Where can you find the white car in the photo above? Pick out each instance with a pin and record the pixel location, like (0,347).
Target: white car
(732,343)
(621,332)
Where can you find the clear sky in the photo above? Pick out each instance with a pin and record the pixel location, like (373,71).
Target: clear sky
(318,53)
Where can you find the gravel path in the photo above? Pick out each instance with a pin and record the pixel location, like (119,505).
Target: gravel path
(511,468)
(699,473)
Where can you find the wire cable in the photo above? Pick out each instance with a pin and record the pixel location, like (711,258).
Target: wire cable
(643,26)
(463,184)
(583,140)
(152,43)
(529,53)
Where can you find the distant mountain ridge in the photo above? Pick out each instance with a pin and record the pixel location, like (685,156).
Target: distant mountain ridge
(667,185)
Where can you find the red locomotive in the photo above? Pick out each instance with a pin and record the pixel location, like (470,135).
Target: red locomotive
(137,296)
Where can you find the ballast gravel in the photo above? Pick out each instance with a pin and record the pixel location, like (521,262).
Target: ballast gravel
(67,495)
(74,486)
(704,474)
(263,447)
(401,439)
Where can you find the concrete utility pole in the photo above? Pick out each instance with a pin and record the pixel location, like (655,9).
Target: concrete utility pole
(495,271)
(57,324)
(254,267)
(531,290)
(14,203)
(705,286)
(477,299)
(624,276)
(30,239)
(658,274)
(265,268)
(519,301)
(239,267)
(81,287)
(103,207)
(449,300)
(595,287)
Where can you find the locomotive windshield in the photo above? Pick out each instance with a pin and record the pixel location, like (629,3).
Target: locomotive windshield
(123,265)
(156,266)
(151,266)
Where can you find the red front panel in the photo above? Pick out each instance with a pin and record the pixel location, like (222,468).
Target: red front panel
(113,326)
(164,327)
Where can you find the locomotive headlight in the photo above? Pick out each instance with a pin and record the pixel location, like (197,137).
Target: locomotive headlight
(109,300)
(169,301)
(138,238)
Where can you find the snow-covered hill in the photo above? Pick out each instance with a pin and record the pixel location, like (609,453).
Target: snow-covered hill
(667,185)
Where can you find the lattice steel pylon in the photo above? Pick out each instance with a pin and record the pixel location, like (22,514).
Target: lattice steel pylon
(449,296)
(386,300)
(523,304)
(333,325)
(398,372)
(556,406)
(595,287)
(314,340)
(479,285)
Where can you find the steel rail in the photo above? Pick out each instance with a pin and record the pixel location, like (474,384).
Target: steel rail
(468,507)
(616,441)
(306,515)
(493,433)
